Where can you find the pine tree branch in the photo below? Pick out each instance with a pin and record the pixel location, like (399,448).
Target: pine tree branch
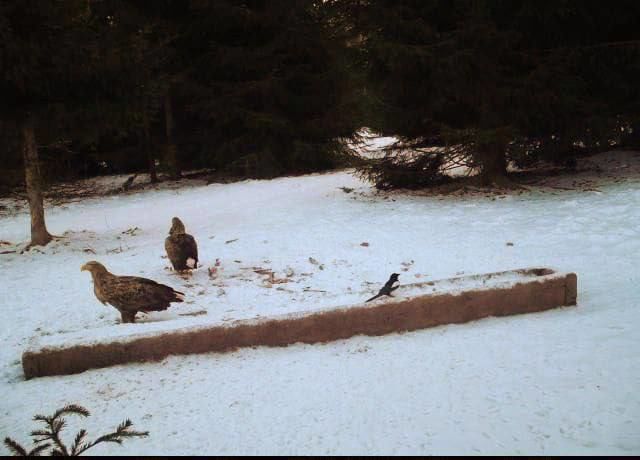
(78,440)
(36,450)
(122,432)
(72,409)
(58,425)
(55,426)
(41,418)
(15,447)
(49,438)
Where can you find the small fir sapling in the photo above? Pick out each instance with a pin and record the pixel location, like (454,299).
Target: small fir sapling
(49,437)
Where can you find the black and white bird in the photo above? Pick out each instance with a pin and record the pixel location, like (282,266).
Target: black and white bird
(388,287)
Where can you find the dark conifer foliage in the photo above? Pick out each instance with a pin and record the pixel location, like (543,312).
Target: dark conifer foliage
(268,90)
(62,63)
(261,88)
(59,79)
(254,88)
(257,87)
(501,80)
(49,440)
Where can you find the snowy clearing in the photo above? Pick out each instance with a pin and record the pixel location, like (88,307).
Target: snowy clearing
(558,382)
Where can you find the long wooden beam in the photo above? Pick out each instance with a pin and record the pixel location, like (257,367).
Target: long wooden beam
(530,290)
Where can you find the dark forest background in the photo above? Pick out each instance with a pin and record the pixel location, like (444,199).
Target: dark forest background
(264,88)
(258,88)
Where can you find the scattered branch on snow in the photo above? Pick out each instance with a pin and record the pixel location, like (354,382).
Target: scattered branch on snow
(49,437)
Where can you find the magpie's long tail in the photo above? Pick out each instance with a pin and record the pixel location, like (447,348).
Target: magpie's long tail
(374,297)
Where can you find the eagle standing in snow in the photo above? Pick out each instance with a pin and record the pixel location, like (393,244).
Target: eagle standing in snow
(181,247)
(130,294)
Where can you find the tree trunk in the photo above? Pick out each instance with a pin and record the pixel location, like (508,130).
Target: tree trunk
(148,147)
(172,156)
(494,163)
(33,181)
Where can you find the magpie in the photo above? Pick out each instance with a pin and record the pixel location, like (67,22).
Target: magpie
(388,288)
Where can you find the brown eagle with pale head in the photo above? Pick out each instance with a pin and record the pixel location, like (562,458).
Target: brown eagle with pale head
(130,294)
(181,247)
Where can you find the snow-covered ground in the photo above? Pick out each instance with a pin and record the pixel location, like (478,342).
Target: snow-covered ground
(371,145)
(559,382)
(154,325)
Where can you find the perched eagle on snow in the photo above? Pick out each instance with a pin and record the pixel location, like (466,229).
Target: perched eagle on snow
(130,294)
(181,247)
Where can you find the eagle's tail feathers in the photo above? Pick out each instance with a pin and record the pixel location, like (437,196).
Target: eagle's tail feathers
(178,295)
(191,262)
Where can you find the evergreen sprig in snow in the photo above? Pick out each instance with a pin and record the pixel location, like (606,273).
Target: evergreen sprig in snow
(49,437)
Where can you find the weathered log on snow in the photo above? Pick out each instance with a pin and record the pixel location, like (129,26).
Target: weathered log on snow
(415,306)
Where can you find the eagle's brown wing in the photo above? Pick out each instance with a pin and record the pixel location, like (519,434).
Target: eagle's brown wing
(180,248)
(133,293)
(190,247)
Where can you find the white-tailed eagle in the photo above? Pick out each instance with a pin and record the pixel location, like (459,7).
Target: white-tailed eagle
(130,294)
(181,247)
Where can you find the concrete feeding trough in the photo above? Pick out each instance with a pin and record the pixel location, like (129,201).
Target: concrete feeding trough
(414,306)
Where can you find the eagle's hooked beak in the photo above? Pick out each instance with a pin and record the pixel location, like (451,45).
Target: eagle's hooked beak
(84,268)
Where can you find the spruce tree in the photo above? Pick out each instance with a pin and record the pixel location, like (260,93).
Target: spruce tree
(153,28)
(267,88)
(60,65)
(493,81)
